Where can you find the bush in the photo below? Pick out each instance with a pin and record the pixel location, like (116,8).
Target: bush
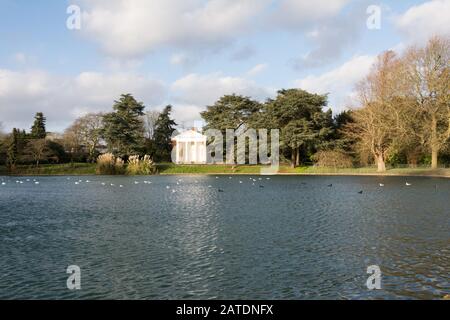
(108,164)
(140,166)
(332,159)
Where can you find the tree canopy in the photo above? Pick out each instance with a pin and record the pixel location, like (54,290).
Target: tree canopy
(123,129)
(38,130)
(162,137)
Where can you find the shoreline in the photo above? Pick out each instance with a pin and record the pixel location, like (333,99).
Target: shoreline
(330,174)
(165,169)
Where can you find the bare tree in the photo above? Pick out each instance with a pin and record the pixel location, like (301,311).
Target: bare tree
(38,150)
(90,127)
(379,124)
(149,119)
(72,138)
(428,76)
(85,132)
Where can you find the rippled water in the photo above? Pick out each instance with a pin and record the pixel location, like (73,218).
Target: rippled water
(296,238)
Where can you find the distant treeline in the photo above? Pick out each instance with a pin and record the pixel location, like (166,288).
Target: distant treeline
(402,118)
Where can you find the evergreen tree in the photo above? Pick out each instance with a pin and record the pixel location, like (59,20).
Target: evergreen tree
(123,129)
(230,111)
(38,129)
(164,128)
(12,151)
(304,125)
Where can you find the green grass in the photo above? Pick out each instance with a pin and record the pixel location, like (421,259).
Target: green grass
(54,169)
(170,168)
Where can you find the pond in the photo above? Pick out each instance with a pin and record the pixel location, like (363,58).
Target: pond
(224,237)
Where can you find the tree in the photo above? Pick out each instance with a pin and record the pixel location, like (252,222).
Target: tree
(379,125)
(428,77)
(123,129)
(13,150)
(37,150)
(3,146)
(38,129)
(149,119)
(164,128)
(86,132)
(303,123)
(230,111)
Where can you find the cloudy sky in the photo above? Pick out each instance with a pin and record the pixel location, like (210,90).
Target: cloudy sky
(190,52)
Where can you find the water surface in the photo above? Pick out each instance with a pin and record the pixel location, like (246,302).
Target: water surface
(284,238)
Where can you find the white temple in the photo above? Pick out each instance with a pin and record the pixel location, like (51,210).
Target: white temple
(190,147)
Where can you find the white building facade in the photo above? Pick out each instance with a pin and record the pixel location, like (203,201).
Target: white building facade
(190,147)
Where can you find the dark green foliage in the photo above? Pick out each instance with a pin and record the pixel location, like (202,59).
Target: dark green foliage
(12,152)
(57,153)
(305,127)
(3,148)
(340,140)
(38,129)
(230,111)
(123,128)
(162,138)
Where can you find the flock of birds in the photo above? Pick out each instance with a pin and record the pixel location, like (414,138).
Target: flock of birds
(168,187)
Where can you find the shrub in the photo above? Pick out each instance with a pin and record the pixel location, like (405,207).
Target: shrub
(108,164)
(140,166)
(332,159)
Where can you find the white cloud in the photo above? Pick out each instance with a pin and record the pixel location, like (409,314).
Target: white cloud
(339,82)
(301,13)
(127,28)
(203,90)
(329,37)
(22,94)
(186,115)
(185,60)
(423,21)
(257,69)
(63,98)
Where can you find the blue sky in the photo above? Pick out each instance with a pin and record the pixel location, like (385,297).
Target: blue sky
(190,52)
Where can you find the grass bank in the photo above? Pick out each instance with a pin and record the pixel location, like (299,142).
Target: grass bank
(53,169)
(173,169)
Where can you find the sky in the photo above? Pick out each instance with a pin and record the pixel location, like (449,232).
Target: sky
(188,53)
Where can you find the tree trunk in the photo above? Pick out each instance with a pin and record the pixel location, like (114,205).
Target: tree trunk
(298,157)
(434,144)
(434,157)
(380,163)
(293,158)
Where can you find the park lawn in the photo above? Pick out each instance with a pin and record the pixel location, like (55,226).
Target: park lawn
(173,169)
(53,169)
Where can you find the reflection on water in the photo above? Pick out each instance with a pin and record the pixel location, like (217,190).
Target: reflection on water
(179,237)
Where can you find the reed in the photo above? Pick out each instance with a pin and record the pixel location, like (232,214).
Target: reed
(140,166)
(108,164)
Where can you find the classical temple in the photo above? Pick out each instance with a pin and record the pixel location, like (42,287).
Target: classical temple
(190,147)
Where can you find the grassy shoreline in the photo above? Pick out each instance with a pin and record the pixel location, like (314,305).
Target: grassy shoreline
(80,169)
